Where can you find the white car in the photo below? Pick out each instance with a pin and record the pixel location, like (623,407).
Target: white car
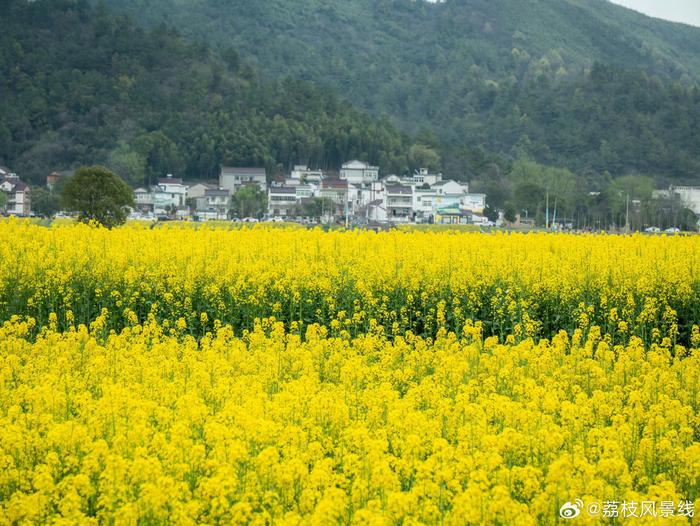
(652,230)
(249,220)
(672,230)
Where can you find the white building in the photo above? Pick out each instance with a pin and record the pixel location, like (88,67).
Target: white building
(423,176)
(16,192)
(169,194)
(143,200)
(232,178)
(213,204)
(195,190)
(303,174)
(689,196)
(399,203)
(282,201)
(359,172)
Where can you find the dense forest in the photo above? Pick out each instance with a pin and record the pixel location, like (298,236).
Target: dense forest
(80,85)
(583,84)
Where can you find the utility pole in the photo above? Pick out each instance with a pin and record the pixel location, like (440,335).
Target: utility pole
(627,215)
(546,217)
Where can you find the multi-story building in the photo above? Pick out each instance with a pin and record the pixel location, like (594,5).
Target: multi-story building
(399,203)
(689,196)
(169,195)
(282,201)
(17,201)
(359,172)
(215,203)
(233,178)
(304,175)
(143,200)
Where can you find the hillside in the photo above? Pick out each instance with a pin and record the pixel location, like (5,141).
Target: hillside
(477,72)
(80,85)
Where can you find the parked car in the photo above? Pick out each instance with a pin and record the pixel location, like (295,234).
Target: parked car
(672,230)
(277,220)
(249,220)
(652,230)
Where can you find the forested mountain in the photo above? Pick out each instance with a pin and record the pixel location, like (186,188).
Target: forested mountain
(511,77)
(80,85)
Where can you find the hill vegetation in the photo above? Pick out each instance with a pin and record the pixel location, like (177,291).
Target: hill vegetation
(82,86)
(582,84)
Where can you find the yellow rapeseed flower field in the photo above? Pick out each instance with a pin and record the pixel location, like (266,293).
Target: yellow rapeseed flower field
(289,376)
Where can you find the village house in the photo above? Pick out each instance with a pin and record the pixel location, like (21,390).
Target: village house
(233,178)
(169,195)
(399,203)
(143,199)
(301,174)
(215,203)
(359,172)
(423,176)
(336,191)
(195,190)
(17,201)
(689,196)
(282,201)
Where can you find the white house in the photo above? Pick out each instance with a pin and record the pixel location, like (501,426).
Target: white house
(399,203)
(195,190)
(303,174)
(16,192)
(233,178)
(448,193)
(423,176)
(689,196)
(214,204)
(359,172)
(143,200)
(281,201)
(169,194)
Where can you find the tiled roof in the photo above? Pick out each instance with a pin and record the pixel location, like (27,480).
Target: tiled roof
(398,189)
(232,170)
(283,190)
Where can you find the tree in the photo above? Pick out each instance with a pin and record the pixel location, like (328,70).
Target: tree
(44,203)
(510,213)
(249,201)
(422,156)
(3,201)
(317,206)
(98,195)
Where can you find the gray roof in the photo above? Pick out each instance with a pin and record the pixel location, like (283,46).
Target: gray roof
(215,191)
(283,190)
(232,170)
(398,189)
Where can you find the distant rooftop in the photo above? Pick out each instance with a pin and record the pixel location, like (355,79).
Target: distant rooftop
(244,170)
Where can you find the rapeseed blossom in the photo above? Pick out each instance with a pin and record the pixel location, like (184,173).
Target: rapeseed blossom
(274,376)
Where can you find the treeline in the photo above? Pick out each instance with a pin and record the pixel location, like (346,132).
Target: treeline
(82,86)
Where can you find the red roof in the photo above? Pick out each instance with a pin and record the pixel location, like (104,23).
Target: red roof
(334,183)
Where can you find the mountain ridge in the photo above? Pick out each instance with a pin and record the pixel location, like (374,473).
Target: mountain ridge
(480,72)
